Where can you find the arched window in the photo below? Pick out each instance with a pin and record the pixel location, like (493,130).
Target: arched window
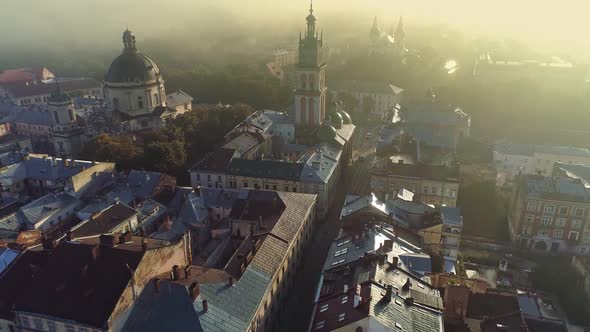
(303,110)
(116,104)
(311,81)
(156,99)
(55,116)
(310,115)
(139,102)
(303,81)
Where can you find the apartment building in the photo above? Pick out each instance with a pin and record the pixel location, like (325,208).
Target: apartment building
(550,214)
(431,184)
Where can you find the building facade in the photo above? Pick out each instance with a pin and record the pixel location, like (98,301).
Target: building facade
(431,184)
(310,73)
(550,215)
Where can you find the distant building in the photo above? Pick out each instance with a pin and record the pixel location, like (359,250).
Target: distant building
(26,75)
(38,175)
(431,184)
(387,43)
(511,159)
(382,97)
(26,94)
(118,218)
(553,75)
(550,214)
(134,89)
(434,125)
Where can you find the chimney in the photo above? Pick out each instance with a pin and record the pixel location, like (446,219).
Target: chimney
(230,282)
(388,293)
(387,245)
(157,285)
(194,290)
(205,306)
(407,285)
(174,273)
(95,252)
(141,232)
(48,244)
(144,245)
(107,240)
(382,259)
(187,271)
(409,300)
(125,237)
(68,236)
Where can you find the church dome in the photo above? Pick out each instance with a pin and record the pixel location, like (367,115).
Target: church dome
(336,119)
(326,132)
(132,66)
(345,117)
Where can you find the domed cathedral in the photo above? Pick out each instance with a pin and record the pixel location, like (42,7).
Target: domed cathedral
(387,43)
(134,89)
(67,136)
(310,76)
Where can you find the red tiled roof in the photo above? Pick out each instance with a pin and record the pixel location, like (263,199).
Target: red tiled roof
(20,89)
(21,75)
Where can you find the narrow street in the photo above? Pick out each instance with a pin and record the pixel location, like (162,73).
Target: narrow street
(297,312)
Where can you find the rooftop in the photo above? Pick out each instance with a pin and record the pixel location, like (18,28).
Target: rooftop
(178,98)
(432,172)
(40,210)
(217,161)
(562,189)
(21,89)
(80,282)
(270,169)
(364,87)
(104,221)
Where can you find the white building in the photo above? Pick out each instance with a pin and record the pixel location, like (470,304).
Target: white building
(134,88)
(510,159)
(382,96)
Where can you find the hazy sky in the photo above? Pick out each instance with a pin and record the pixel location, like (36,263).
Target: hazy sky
(562,22)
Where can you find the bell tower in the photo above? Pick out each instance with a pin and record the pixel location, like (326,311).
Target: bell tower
(310,74)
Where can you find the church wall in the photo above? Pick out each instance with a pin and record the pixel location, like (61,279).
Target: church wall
(128,98)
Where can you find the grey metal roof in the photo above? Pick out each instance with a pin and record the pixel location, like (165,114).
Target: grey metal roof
(565,189)
(363,87)
(322,163)
(170,309)
(6,257)
(397,315)
(420,264)
(37,167)
(142,183)
(451,216)
(178,98)
(46,206)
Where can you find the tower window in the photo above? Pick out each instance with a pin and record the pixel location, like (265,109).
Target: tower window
(56,117)
(116,104)
(72,115)
(156,99)
(140,102)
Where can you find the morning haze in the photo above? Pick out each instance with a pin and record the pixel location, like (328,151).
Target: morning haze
(289,165)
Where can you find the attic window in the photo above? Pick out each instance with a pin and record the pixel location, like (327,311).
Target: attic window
(398,302)
(343,243)
(398,325)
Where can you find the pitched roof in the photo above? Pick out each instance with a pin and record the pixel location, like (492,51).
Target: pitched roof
(364,87)
(46,207)
(564,189)
(105,221)
(74,285)
(169,309)
(22,75)
(397,314)
(178,98)
(20,90)
(432,172)
(18,278)
(270,169)
(217,161)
